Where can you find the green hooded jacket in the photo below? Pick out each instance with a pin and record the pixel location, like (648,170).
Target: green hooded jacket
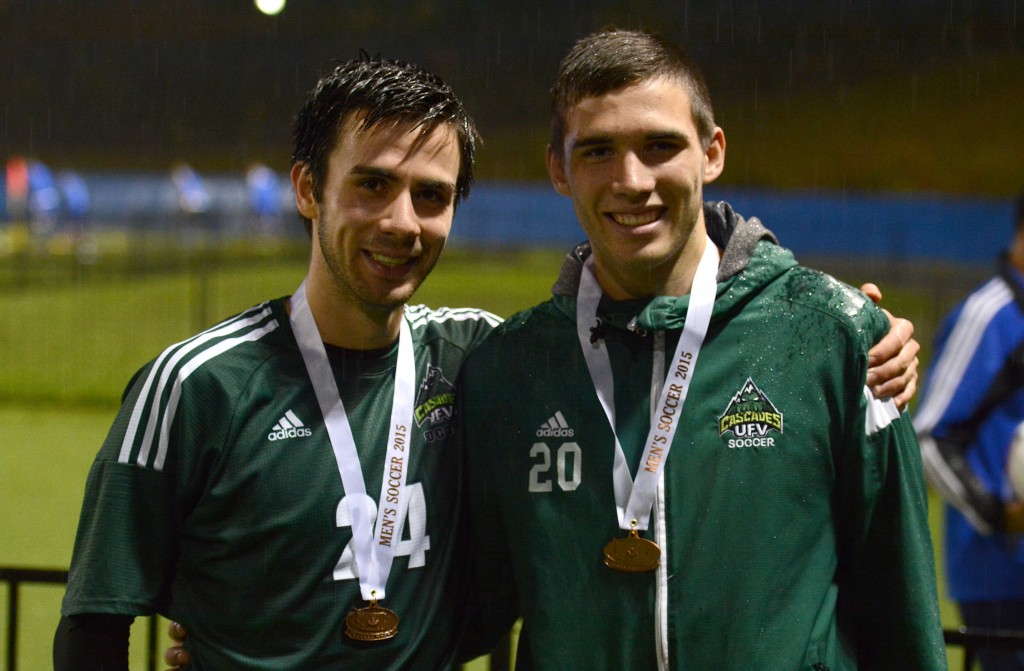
(791,515)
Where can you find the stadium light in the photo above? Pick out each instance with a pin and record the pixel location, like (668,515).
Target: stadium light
(270,7)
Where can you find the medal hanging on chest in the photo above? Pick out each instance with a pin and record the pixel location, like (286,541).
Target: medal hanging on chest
(634,499)
(373,623)
(632,554)
(374,550)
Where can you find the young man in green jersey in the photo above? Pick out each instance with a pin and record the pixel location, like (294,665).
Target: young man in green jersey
(285,484)
(675,461)
(345,260)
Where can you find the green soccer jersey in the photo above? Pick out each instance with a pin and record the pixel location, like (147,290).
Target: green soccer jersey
(792,514)
(216,499)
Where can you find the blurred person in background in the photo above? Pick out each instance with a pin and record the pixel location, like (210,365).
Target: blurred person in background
(43,200)
(263,190)
(970,415)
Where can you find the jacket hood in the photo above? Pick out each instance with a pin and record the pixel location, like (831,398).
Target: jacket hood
(751,258)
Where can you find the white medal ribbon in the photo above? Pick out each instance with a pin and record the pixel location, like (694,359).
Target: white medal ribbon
(374,546)
(635,499)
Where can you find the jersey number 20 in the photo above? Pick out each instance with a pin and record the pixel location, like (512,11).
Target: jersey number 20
(567,475)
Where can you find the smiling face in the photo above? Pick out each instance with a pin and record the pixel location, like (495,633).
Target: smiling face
(634,166)
(384,216)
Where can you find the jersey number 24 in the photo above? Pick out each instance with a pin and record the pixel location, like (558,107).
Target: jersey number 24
(415,547)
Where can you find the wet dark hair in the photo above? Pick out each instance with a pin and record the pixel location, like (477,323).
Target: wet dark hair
(611,60)
(385,91)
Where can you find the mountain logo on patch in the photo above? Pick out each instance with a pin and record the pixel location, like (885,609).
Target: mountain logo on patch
(750,413)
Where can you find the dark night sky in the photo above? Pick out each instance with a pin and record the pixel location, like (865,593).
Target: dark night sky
(140,83)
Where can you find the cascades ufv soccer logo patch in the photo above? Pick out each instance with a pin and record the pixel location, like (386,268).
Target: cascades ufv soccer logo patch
(749,417)
(435,405)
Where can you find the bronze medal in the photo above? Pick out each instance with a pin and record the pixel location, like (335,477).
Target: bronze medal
(632,554)
(373,623)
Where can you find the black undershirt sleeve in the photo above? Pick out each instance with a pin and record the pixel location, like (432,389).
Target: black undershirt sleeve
(92,643)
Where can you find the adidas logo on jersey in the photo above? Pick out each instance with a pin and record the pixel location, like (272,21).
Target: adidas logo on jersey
(555,427)
(289,426)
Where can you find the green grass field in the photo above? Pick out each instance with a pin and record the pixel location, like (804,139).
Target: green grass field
(67,349)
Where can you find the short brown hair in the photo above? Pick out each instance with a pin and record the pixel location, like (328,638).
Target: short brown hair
(610,60)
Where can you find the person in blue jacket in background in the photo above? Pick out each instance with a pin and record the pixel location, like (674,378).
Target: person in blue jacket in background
(970,411)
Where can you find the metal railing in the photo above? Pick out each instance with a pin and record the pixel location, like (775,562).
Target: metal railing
(973,639)
(970,639)
(14,577)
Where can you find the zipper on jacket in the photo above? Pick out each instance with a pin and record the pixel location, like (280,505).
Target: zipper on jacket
(661,642)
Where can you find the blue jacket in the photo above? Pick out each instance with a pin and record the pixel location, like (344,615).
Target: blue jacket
(965,429)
